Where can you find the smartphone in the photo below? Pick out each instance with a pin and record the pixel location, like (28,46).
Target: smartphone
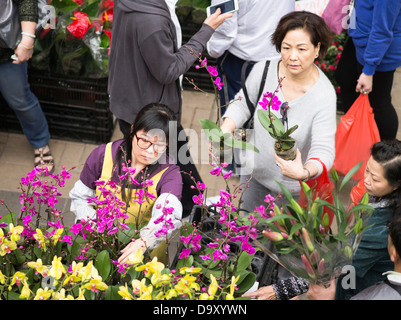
(226,6)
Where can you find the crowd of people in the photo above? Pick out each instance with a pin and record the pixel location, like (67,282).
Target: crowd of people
(147,60)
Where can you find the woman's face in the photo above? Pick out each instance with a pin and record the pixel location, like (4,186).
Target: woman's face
(148,147)
(297,51)
(375,182)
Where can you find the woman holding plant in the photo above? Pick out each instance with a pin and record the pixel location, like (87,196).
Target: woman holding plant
(309,110)
(145,175)
(371,259)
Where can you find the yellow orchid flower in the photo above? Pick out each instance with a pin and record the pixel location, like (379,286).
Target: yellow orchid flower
(138,286)
(205,296)
(7,246)
(230,296)
(57,270)
(17,278)
(43,294)
(95,285)
(15,232)
(39,267)
(135,258)
(81,294)
(186,285)
(172,293)
(61,295)
(25,291)
(2,278)
(123,291)
(191,270)
(151,267)
(39,237)
(213,286)
(56,237)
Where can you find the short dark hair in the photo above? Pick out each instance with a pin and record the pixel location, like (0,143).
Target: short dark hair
(308,21)
(394,231)
(388,154)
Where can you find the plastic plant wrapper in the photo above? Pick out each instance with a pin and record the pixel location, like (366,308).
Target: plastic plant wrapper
(304,241)
(80,42)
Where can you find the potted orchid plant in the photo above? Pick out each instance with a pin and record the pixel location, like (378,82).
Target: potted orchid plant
(285,145)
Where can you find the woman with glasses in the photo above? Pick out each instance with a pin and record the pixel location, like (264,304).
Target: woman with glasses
(143,153)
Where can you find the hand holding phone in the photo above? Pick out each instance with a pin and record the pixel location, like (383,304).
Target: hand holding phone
(225,7)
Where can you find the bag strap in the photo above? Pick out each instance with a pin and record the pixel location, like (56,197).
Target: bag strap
(251,106)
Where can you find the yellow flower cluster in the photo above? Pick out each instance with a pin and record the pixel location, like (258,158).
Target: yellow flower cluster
(85,277)
(165,286)
(9,243)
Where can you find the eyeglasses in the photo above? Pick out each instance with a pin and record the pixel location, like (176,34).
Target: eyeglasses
(145,144)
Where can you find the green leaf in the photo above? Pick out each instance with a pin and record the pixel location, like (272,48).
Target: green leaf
(8,218)
(103,264)
(112,293)
(209,125)
(246,281)
(125,236)
(285,191)
(244,261)
(240,144)
(349,175)
(64,6)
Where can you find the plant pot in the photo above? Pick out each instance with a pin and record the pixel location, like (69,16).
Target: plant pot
(289,154)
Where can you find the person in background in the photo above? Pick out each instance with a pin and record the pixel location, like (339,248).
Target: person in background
(145,149)
(371,260)
(369,60)
(242,41)
(146,62)
(245,37)
(15,89)
(301,38)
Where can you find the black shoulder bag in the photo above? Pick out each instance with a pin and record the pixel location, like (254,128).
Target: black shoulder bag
(252,107)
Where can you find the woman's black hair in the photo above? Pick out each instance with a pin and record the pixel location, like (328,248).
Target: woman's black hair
(152,116)
(313,24)
(388,154)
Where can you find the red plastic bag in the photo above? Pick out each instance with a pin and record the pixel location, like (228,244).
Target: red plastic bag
(324,190)
(356,134)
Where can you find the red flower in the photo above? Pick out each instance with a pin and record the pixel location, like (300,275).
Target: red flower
(80,26)
(78,1)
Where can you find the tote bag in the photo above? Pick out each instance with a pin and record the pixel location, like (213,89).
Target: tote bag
(334,14)
(10,26)
(356,133)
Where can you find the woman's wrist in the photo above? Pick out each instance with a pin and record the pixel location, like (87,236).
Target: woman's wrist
(307,172)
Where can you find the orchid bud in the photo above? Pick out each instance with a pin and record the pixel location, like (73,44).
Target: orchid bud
(314,256)
(307,240)
(325,219)
(278,212)
(314,209)
(296,207)
(285,235)
(321,266)
(308,266)
(273,236)
(348,252)
(280,227)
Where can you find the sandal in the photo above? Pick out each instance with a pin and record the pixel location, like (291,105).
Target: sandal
(44,159)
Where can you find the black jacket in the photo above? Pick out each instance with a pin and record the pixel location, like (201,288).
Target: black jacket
(145,63)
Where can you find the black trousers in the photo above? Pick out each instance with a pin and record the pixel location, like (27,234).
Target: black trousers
(189,172)
(347,74)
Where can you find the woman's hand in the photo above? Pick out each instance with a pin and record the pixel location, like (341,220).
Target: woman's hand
(264,293)
(24,50)
(216,19)
(365,84)
(132,248)
(293,169)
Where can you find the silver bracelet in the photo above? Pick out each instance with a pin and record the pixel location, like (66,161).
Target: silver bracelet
(308,177)
(28,35)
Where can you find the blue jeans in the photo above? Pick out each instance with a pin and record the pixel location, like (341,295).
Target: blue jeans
(15,89)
